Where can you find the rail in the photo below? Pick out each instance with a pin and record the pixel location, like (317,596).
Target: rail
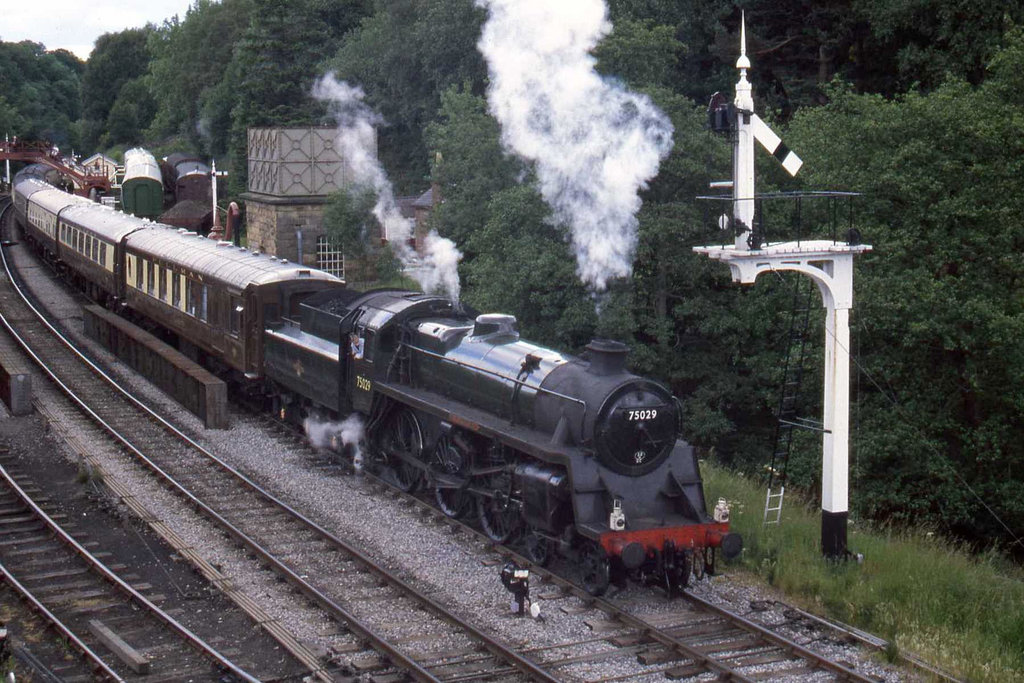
(656,635)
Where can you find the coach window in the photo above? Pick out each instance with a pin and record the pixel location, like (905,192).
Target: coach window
(149,277)
(103,254)
(139,265)
(163,285)
(235,316)
(190,296)
(95,250)
(203,302)
(175,291)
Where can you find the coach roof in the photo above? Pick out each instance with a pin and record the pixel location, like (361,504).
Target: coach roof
(219,261)
(104,221)
(53,200)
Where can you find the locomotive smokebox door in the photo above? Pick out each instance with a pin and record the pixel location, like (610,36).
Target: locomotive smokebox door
(360,346)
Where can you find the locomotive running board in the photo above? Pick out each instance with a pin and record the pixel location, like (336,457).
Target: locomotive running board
(519,437)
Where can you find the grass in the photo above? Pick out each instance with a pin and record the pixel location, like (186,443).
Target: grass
(927,595)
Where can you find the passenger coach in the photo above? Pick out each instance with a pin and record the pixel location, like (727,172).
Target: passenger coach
(90,249)
(43,206)
(217,296)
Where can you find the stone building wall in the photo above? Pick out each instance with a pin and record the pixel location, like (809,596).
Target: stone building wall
(274,223)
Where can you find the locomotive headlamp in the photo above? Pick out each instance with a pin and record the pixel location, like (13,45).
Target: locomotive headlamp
(617,518)
(722,511)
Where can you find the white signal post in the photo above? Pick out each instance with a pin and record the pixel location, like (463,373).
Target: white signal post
(216,230)
(743,150)
(830,264)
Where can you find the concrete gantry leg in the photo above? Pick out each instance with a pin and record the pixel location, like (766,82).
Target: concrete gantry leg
(836,437)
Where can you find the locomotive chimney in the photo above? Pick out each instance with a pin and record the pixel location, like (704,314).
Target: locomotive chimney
(607,357)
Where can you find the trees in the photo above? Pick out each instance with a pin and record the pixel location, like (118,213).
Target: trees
(937,296)
(188,70)
(39,92)
(275,63)
(116,59)
(405,56)
(927,126)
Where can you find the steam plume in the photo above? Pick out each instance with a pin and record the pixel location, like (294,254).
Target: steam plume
(357,141)
(595,145)
(348,432)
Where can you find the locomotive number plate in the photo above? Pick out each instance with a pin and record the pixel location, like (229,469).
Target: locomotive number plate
(637,415)
(362,383)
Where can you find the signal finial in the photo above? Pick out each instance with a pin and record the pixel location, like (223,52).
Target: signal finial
(743,62)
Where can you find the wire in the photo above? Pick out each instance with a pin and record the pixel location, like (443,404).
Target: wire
(925,441)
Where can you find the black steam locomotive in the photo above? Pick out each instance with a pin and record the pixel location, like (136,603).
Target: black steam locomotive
(578,456)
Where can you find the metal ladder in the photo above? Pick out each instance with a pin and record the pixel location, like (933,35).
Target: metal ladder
(792,378)
(777,510)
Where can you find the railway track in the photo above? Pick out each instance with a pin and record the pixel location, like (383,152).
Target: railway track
(690,638)
(90,604)
(415,636)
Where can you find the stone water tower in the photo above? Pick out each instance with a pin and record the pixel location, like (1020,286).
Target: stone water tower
(291,173)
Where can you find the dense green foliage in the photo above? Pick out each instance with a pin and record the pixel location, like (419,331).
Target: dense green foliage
(916,103)
(40,93)
(190,59)
(116,103)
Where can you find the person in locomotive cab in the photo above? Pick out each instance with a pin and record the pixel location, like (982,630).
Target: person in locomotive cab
(356,345)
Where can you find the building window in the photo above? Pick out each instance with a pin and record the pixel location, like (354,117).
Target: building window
(329,256)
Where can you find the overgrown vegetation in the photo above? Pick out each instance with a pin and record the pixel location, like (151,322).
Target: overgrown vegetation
(959,610)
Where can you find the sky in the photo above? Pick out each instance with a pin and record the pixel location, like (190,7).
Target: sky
(75,25)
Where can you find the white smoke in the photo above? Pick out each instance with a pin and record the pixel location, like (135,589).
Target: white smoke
(595,145)
(357,140)
(327,434)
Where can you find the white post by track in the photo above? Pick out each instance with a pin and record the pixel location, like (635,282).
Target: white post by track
(830,264)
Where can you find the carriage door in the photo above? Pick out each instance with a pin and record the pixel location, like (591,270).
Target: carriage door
(360,368)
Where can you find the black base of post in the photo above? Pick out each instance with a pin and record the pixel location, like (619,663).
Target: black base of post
(833,534)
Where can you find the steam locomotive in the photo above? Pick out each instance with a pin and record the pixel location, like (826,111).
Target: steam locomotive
(575,456)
